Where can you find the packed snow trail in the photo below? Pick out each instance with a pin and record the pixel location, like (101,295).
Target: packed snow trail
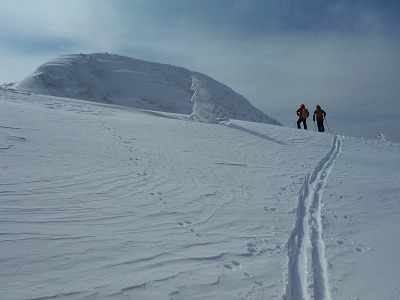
(307,265)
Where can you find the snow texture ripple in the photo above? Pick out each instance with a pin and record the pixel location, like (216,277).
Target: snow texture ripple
(106,202)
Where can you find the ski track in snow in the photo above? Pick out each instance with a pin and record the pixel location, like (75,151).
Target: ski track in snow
(307,274)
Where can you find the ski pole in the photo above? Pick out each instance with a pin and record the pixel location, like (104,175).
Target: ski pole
(327,125)
(315,127)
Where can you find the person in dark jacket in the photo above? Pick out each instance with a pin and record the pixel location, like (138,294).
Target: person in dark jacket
(302,113)
(319,115)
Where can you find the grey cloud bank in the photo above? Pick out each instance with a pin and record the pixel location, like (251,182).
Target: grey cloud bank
(343,55)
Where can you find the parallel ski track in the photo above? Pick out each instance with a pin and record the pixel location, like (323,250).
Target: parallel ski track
(307,274)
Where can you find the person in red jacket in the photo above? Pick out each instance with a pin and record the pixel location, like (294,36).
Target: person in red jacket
(302,113)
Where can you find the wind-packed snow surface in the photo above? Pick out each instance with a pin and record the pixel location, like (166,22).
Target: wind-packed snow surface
(105,202)
(121,80)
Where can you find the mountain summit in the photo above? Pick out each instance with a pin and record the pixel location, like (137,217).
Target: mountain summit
(125,81)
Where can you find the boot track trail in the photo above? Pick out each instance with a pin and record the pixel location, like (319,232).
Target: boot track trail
(307,271)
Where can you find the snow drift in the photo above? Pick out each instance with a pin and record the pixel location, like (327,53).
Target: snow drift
(125,81)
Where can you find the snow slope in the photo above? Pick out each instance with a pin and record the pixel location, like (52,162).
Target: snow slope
(106,202)
(125,81)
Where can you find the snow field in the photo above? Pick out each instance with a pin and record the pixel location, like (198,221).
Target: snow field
(99,201)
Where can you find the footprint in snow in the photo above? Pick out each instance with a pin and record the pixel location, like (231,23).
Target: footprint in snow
(187,223)
(197,234)
(350,219)
(269,209)
(234,263)
(161,199)
(228,266)
(361,248)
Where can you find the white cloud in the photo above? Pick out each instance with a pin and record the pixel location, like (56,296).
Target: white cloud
(88,23)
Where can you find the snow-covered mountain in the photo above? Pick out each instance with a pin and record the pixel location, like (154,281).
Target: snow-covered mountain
(125,81)
(101,201)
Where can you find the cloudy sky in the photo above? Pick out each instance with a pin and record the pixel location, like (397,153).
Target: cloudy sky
(341,54)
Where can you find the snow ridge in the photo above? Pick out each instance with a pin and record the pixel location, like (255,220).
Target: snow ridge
(307,274)
(217,103)
(125,81)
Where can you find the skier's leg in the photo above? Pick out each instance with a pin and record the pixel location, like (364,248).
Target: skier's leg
(320,126)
